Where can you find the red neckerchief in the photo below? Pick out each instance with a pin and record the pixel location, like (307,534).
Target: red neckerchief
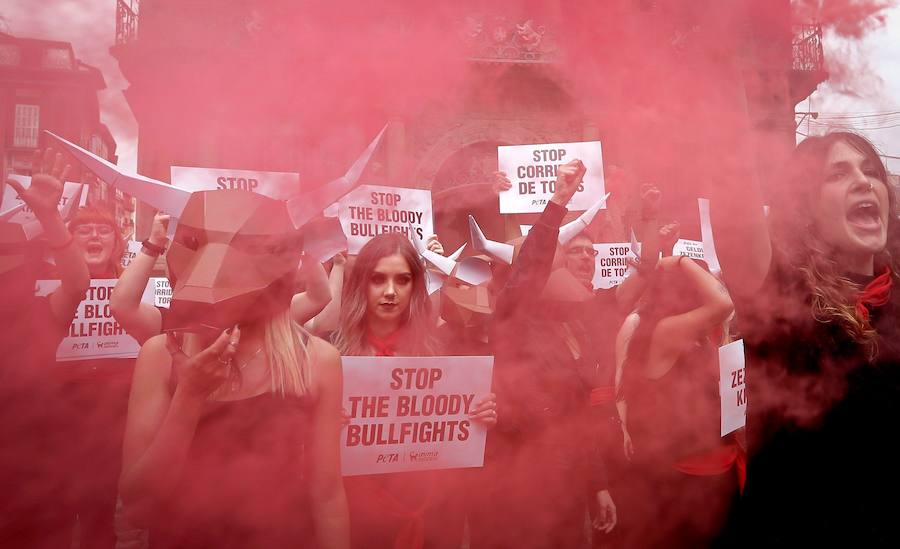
(386,346)
(875,294)
(602,395)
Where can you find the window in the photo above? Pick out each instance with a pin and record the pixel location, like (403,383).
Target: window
(28,121)
(10,55)
(57,58)
(98,147)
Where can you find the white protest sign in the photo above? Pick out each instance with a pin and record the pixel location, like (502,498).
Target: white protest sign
(525,229)
(158,292)
(412,413)
(689,248)
(25,217)
(611,264)
(132,248)
(94,333)
(732,386)
(706,235)
(278,185)
(371,210)
(532,171)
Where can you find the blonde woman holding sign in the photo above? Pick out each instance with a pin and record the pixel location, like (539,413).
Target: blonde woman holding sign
(386,312)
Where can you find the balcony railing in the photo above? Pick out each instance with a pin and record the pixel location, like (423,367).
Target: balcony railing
(807,48)
(502,40)
(126,20)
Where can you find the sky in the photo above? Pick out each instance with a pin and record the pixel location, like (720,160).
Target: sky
(863,94)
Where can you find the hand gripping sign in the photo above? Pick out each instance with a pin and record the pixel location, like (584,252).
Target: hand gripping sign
(532,171)
(235,252)
(412,413)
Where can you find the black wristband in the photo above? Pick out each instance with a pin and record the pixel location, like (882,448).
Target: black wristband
(152,249)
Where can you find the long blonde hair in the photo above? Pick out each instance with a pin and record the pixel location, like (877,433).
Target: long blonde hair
(286,350)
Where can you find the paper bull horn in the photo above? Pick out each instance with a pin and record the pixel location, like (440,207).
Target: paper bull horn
(6,215)
(161,196)
(304,208)
(496,250)
(439,262)
(172,200)
(455,255)
(572,229)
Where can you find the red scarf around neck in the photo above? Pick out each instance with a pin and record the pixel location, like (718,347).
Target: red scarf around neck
(384,346)
(876,293)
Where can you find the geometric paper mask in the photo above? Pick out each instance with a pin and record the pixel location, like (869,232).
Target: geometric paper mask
(234,254)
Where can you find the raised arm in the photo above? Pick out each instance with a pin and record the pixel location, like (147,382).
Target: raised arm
(306,305)
(329,503)
(47,176)
(160,425)
(327,320)
(623,339)
(676,334)
(743,243)
(630,290)
(531,269)
(140,320)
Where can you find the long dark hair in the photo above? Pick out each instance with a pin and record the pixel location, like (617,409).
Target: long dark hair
(798,244)
(419,337)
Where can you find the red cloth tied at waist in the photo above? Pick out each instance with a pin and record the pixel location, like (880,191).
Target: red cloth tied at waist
(412,533)
(875,294)
(603,395)
(717,461)
(409,516)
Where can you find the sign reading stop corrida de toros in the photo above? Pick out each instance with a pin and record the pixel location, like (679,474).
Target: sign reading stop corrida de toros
(371,210)
(532,171)
(611,264)
(278,185)
(412,413)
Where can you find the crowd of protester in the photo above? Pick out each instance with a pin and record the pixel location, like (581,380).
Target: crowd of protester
(604,420)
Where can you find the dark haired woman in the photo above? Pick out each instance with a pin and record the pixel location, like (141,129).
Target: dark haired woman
(820,321)
(668,400)
(386,312)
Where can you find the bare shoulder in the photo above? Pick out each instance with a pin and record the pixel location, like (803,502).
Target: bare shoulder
(154,360)
(325,360)
(325,367)
(322,351)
